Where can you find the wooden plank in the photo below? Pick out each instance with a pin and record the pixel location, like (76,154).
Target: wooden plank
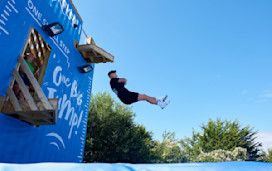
(38,117)
(26,42)
(92,47)
(44,66)
(94,52)
(47,116)
(84,48)
(100,56)
(47,121)
(2,101)
(45,45)
(24,90)
(39,43)
(34,50)
(14,100)
(39,50)
(32,114)
(33,117)
(75,43)
(90,40)
(54,103)
(102,52)
(36,121)
(35,85)
(13,79)
(22,115)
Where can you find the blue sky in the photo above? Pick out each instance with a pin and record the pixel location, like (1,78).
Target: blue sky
(213,58)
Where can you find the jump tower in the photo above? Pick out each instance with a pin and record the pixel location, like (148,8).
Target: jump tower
(50,123)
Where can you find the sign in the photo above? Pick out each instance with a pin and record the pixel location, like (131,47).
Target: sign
(65,141)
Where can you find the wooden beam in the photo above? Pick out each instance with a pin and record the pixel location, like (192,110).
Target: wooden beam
(35,85)
(95,48)
(90,40)
(94,52)
(34,51)
(44,66)
(33,117)
(102,52)
(98,56)
(13,100)
(25,91)
(2,101)
(40,41)
(84,48)
(54,103)
(45,113)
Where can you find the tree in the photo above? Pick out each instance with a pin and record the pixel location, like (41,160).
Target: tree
(112,135)
(225,135)
(169,150)
(267,157)
(238,154)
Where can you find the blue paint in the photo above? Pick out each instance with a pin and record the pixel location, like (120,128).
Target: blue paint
(64,142)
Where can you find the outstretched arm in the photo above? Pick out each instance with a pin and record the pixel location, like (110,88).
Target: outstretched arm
(122,80)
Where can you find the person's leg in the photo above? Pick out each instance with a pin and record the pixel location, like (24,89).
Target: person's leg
(21,96)
(149,99)
(16,89)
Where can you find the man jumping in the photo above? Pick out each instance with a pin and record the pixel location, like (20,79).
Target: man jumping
(127,97)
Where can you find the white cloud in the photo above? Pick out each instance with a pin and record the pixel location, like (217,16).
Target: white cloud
(261,100)
(265,96)
(244,92)
(266,139)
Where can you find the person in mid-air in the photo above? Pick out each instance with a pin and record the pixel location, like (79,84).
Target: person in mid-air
(127,97)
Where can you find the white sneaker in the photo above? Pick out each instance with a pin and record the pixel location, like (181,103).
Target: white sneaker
(163,104)
(162,99)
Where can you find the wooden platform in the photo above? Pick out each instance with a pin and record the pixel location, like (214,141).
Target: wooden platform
(35,111)
(38,117)
(92,53)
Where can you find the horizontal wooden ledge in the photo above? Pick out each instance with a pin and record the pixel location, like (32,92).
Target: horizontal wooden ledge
(92,51)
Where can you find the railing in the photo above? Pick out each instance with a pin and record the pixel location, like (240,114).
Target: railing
(42,111)
(83,37)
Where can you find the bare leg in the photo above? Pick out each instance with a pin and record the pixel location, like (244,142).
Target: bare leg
(149,99)
(21,95)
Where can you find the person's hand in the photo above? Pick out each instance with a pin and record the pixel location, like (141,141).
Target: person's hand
(122,80)
(37,72)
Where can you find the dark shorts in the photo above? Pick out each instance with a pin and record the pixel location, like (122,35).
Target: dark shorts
(26,80)
(129,97)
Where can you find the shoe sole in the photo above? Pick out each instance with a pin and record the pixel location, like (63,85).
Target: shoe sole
(166,105)
(165,98)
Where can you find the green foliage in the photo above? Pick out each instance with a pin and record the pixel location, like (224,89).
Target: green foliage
(113,136)
(169,150)
(225,135)
(238,154)
(267,157)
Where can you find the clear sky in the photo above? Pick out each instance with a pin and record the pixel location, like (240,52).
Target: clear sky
(213,58)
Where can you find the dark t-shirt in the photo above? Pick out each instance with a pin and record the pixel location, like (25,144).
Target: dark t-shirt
(118,88)
(124,95)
